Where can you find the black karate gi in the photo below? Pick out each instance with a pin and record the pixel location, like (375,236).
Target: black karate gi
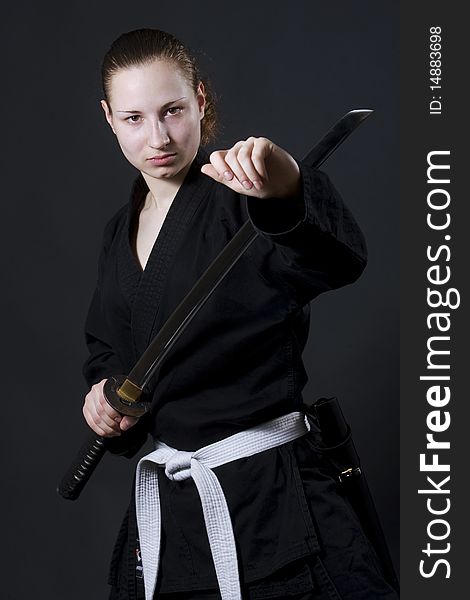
(238,365)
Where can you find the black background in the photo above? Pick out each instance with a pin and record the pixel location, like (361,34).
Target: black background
(286,71)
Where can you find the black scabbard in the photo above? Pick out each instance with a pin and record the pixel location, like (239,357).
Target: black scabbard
(340,449)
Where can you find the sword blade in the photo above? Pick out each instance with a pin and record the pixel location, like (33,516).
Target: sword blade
(336,136)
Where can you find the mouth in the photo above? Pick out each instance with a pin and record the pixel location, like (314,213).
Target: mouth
(161,160)
(161,156)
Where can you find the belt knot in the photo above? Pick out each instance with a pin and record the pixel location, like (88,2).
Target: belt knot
(178,467)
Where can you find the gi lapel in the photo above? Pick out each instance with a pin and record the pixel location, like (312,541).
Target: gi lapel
(145,312)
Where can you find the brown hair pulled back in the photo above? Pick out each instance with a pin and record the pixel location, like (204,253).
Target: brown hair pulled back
(142,46)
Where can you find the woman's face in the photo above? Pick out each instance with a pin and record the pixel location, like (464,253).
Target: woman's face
(156,117)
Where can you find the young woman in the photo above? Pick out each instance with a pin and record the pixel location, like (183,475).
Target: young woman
(257,514)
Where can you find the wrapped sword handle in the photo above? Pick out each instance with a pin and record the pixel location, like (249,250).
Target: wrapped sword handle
(82,467)
(93,450)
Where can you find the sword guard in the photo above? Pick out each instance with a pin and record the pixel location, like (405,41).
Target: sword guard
(130,409)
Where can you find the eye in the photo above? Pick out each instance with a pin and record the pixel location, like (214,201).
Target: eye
(133,118)
(174,110)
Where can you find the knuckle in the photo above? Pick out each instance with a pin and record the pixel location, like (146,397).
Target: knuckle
(94,426)
(214,155)
(236,147)
(109,431)
(231,161)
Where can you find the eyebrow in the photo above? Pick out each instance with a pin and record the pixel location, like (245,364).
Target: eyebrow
(164,106)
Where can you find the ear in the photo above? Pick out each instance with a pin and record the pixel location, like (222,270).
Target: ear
(108,115)
(201,98)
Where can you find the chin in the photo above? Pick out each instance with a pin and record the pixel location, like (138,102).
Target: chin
(160,172)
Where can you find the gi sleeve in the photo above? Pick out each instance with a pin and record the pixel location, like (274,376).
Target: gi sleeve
(318,244)
(103,362)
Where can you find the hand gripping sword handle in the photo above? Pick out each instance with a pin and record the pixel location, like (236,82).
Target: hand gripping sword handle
(93,450)
(82,468)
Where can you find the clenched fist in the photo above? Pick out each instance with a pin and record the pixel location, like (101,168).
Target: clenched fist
(256,167)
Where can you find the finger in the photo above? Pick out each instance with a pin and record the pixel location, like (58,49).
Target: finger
(218,163)
(262,148)
(233,184)
(232,160)
(103,431)
(251,159)
(96,427)
(103,427)
(99,415)
(100,418)
(128,422)
(108,416)
(210,170)
(105,411)
(220,170)
(104,408)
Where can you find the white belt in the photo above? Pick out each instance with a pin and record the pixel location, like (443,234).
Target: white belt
(180,465)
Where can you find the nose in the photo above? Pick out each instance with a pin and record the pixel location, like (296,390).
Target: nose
(158,135)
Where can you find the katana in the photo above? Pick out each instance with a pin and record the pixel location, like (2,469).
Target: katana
(123,392)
